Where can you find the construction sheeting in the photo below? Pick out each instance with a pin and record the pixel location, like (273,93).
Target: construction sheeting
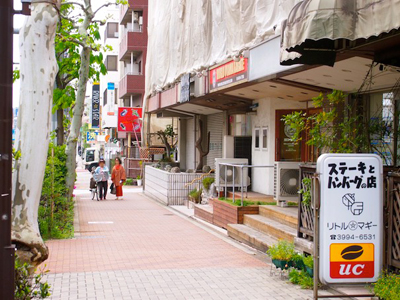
(192,35)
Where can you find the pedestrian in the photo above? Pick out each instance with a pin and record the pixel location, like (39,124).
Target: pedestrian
(102,175)
(118,177)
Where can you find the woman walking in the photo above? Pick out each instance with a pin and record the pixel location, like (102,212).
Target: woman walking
(101,176)
(118,177)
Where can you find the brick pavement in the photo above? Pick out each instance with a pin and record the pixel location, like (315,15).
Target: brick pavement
(138,249)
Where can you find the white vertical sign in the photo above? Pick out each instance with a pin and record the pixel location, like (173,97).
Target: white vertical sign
(351,217)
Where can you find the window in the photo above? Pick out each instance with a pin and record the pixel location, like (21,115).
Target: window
(111,62)
(257,138)
(111,30)
(264,139)
(105,97)
(116,97)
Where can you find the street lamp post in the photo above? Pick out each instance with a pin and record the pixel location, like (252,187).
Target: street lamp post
(6,118)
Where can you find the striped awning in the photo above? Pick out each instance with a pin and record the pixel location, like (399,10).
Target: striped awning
(313,26)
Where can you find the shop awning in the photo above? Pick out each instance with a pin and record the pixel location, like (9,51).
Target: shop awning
(313,26)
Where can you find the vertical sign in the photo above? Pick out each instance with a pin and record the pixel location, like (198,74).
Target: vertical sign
(351,217)
(185,88)
(95,116)
(129,119)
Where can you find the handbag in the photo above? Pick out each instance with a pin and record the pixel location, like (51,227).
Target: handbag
(113,189)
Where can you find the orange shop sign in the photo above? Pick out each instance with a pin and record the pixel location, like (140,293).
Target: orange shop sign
(352,260)
(228,74)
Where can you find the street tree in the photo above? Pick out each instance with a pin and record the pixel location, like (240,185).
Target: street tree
(67,46)
(38,71)
(84,38)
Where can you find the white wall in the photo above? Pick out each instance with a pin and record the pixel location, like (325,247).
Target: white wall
(263,179)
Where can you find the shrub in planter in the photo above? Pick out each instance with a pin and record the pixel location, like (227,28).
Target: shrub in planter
(195,195)
(298,262)
(388,286)
(309,264)
(207,182)
(129,181)
(282,254)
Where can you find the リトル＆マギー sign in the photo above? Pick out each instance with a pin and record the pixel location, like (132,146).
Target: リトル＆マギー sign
(351,217)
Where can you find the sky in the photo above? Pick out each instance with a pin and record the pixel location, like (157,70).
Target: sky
(18,23)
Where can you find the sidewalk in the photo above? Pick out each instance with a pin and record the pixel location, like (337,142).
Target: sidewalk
(138,249)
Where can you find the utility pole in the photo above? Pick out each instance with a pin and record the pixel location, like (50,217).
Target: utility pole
(6,118)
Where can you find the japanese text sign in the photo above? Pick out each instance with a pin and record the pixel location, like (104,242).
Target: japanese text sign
(129,119)
(228,74)
(95,115)
(351,217)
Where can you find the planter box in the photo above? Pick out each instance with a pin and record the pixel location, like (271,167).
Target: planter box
(225,213)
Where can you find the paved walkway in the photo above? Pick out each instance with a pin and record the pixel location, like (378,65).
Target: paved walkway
(139,249)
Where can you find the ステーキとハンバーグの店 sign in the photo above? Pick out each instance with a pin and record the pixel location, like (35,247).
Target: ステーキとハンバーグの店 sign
(351,217)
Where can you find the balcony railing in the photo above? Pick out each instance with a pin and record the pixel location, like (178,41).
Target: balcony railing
(132,41)
(131,84)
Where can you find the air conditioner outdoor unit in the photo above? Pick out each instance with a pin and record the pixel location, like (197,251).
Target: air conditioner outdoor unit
(286,181)
(231,178)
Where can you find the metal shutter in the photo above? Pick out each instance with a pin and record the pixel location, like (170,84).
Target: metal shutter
(215,124)
(190,144)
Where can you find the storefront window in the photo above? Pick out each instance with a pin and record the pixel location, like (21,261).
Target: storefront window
(240,125)
(257,138)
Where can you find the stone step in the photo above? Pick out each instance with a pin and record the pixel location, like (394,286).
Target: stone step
(284,215)
(250,236)
(271,227)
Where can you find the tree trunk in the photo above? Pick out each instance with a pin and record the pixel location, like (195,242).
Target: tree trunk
(60,127)
(38,71)
(76,122)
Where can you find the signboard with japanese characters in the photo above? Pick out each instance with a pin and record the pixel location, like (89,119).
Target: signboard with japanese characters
(228,74)
(351,217)
(129,119)
(95,115)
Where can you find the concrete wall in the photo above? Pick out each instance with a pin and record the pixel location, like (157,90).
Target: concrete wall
(263,179)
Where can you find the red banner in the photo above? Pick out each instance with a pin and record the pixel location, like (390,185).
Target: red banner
(129,119)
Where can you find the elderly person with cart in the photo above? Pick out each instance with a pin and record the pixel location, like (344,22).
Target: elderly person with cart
(101,175)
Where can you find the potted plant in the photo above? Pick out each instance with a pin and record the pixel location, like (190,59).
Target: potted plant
(139,180)
(195,196)
(282,254)
(309,264)
(298,261)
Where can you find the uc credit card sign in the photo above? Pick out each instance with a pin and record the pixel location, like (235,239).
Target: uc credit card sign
(351,217)
(129,119)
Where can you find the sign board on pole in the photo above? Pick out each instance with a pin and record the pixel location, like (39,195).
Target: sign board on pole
(110,86)
(129,119)
(351,217)
(91,136)
(95,116)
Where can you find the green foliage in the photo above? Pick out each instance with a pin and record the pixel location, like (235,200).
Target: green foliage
(195,195)
(305,191)
(138,177)
(329,130)
(129,181)
(388,286)
(308,261)
(16,75)
(283,250)
(29,285)
(301,278)
(56,212)
(207,182)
